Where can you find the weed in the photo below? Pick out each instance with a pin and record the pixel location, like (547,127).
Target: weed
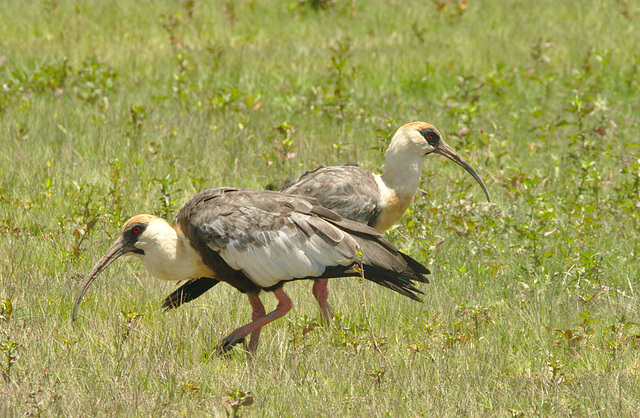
(237,400)
(49,77)
(6,309)
(618,337)
(93,206)
(554,368)
(91,81)
(231,99)
(230,10)
(95,81)
(477,315)
(354,336)
(385,135)
(168,202)
(536,226)
(418,31)
(341,73)
(42,400)
(182,84)
(181,78)
(129,325)
(283,149)
(627,194)
(189,7)
(459,9)
(113,200)
(632,75)
(317,4)
(9,351)
(573,339)
(137,115)
(539,49)
(84,218)
(189,387)
(378,375)
(305,327)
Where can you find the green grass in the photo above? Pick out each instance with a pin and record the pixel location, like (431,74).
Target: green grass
(109,109)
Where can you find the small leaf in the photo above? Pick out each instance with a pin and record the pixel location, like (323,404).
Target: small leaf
(453,229)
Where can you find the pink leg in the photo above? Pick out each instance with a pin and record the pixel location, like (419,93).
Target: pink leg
(321,294)
(284,306)
(258,312)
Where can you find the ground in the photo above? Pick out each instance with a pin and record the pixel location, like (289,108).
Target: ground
(113,108)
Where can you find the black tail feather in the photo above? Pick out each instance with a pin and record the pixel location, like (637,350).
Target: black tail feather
(189,291)
(418,268)
(380,252)
(399,282)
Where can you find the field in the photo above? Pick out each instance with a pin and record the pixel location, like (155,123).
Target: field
(113,108)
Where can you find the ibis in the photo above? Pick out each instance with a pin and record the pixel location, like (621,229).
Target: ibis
(377,200)
(257,241)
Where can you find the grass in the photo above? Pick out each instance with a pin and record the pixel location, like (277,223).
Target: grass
(108,109)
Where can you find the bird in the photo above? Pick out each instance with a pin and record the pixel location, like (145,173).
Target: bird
(355,193)
(257,240)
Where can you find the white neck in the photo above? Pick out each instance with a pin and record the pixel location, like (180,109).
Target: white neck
(168,254)
(399,180)
(403,165)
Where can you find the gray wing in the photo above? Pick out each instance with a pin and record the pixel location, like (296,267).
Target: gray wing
(350,191)
(268,236)
(271,237)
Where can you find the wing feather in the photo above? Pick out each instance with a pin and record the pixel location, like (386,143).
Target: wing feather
(269,238)
(328,231)
(350,191)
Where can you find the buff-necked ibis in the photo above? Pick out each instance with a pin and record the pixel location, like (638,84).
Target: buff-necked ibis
(257,241)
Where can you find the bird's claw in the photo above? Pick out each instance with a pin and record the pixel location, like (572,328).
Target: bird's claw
(227,343)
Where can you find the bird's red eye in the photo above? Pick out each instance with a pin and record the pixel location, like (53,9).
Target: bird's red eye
(136,230)
(431,135)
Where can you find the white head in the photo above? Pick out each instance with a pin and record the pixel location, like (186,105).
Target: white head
(414,140)
(406,152)
(163,251)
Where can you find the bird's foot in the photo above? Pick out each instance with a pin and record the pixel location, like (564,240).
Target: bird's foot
(228,342)
(326,320)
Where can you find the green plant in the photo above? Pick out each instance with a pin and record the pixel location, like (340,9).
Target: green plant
(237,400)
(6,309)
(189,387)
(538,223)
(339,99)
(378,375)
(282,150)
(95,81)
(619,337)
(317,4)
(137,115)
(305,327)
(168,202)
(84,218)
(385,134)
(477,315)
(129,325)
(9,351)
(573,339)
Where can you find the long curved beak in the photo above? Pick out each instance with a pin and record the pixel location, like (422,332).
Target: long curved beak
(445,150)
(117,249)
